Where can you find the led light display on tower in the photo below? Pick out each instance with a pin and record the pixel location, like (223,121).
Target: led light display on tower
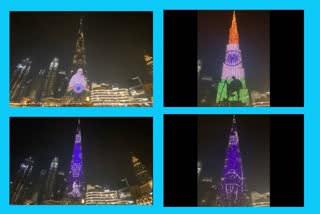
(75,178)
(231,189)
(78,84)
(232,89)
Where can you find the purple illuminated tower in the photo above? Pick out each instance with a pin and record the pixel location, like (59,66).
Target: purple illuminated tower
(75,187)
(231,189)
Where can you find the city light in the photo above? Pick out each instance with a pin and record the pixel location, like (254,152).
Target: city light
(61,85)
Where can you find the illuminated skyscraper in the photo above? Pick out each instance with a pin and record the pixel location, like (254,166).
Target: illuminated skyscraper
(75,185)
(140,170)
(22,183)
(50,85)
(231,188)
(19,80)
(232,90)
(145,182)
(51,179)
(78,86)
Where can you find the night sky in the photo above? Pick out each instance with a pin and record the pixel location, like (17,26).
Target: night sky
(106,145)
(254,141)
(115,42)
(253,29)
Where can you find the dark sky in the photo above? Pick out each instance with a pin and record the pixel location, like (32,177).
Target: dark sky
(106,144)
(114,41)
(253,29)
(253,130)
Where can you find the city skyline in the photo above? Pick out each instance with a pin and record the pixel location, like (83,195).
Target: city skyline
(253,132)
(253,28)
(115,42)
(103,151)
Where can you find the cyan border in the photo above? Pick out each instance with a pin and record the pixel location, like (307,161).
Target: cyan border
(312,36)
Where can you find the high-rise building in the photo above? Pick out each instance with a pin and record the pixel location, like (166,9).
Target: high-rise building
(51,179)
(140,171)
(78,87)
(148,86)
(37,195)
(20,80)
(231,188)
(62,83)
(232,90)
(50,85)
(75,184)
(36,88)
(145,182)
(22,183)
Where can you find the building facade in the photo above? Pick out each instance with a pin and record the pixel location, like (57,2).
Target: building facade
(78,87)
(231,188)
(145,196)
(107,95)
(260,200)
(51,179)
(51,81)
(20,80)
(21,186)
(98,195)
(232,90)
(75,183)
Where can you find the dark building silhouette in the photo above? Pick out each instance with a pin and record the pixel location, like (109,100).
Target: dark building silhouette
(36,88)
(21,186)
(20,80)
(37,195)
(51,81)
(51,179)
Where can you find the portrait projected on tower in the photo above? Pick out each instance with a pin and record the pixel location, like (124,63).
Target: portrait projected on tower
(75,177)
(78,83)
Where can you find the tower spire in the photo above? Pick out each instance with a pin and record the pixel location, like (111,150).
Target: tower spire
(79,58)
(233,31)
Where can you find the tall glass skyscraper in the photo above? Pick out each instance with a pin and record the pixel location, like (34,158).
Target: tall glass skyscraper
(22,183)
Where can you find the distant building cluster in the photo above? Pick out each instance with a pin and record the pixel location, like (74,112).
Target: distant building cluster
(54,86)
(54,186)
(260,99)
(260,200)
